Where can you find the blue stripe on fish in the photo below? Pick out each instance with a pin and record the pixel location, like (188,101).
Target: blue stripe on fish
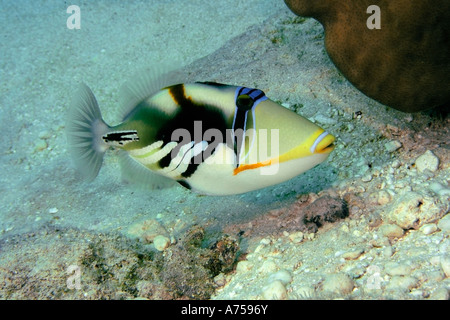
(246,99)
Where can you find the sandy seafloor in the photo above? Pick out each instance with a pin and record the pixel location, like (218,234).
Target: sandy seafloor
(392,245)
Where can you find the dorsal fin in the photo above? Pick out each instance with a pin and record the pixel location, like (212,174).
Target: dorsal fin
(144,84)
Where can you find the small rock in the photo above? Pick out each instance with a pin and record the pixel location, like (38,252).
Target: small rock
(244,266)
(391,231)
(45,134)
(387,251)
(220,280)
(324,119)
(383,197)
(429,228)
(409,118)
(296,237)
(427,161)
(402,283)
(340,284)
(353,255)
(414,209)
(444,224)
(268,266)
(283,275)
(440,294)
(161,242)
(147,230)
(392,146)
(395,164)
(397,269)
(445,264)
(275,291)
(435,276)
(439,189)
(40,145)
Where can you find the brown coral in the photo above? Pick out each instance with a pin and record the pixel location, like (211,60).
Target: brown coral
(405,64)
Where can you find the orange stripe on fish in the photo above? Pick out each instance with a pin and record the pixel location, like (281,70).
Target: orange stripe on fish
(244,167)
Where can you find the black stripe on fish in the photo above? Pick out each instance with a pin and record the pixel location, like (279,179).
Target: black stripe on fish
(121,137)
(246,100)
(186,117)
(244,104)
(184,184)
(213,84)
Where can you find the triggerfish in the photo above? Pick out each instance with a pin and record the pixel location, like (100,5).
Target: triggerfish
(213,138)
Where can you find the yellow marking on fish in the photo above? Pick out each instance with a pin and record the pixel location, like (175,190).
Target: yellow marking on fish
(146,151)
(158,155)
(301,151)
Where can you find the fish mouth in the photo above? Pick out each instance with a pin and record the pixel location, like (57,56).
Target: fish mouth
(323,144)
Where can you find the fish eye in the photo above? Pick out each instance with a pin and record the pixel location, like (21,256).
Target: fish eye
(244,102)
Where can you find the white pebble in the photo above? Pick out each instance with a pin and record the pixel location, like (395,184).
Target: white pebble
(324,120)
(395,164)
(244,266)
(161,242)
(427,161)
(409,118)
(147,230)
(268,266)
(444,224)
(429,228)
(391,231)
(283,275)
(296,237)
(397,269)
(40,145)
(445,264)
(353,255)
(387,251)
(392,146)
(414,209)
(383,197)
(439,189)
(53,210)
(275,291)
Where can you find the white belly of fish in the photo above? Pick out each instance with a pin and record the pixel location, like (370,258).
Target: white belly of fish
(216,177)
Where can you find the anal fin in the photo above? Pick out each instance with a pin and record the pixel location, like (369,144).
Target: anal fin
(135,172)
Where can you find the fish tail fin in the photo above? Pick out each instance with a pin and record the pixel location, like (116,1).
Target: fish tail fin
(84,129)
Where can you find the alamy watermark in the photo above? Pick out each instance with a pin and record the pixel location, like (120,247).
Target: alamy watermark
(374,278)
(74,277)
(74,20)
(373,22)
(250,146)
